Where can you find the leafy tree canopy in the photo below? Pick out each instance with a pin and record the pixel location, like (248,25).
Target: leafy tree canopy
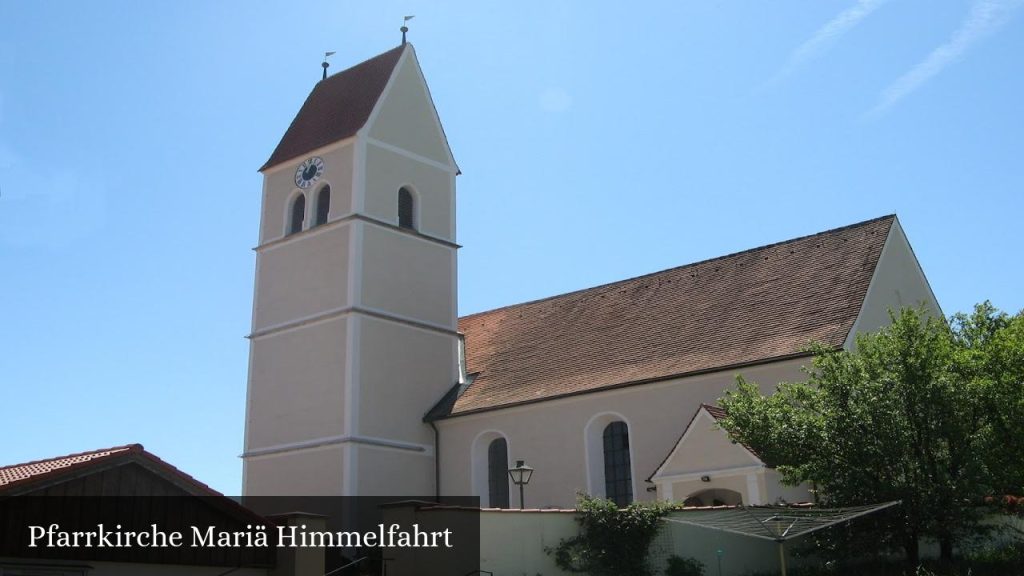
(923,411)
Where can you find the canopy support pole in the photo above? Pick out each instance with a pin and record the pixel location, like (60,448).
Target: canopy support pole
(782,556)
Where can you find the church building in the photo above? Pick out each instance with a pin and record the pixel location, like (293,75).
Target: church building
(364,380)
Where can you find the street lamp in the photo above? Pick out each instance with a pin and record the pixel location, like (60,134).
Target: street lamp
(520,477)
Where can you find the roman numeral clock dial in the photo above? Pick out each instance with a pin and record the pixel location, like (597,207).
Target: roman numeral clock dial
(309,172)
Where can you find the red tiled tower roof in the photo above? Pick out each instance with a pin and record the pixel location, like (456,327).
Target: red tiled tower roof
(337,107)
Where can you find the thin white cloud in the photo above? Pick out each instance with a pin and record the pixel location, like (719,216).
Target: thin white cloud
(985,17)
(827,35)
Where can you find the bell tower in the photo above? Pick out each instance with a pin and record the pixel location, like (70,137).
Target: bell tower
(354,326)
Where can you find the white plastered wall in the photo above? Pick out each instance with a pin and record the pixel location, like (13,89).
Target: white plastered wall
(388,170)
(303,278)
(403,371)
(408,276)
(298,391)
(315,471)
(279,189)
(407,116)
(550,435)
(706,458)
(898,282)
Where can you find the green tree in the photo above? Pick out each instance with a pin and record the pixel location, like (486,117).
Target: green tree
(990,359)
(922,411)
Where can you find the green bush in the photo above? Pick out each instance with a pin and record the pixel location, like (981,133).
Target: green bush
(612,541)
(679,566)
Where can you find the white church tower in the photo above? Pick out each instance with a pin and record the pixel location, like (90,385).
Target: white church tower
(354,328)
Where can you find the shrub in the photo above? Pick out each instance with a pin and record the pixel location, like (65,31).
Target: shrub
(679,566)
(612,541)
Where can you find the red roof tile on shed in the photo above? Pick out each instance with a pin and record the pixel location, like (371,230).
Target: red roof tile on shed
(32,470)
(20,475)
(749,307)
(336,108)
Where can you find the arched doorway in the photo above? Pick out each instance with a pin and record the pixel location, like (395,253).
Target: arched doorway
(714,497)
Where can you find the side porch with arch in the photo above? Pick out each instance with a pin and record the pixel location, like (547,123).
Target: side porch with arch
(707,468)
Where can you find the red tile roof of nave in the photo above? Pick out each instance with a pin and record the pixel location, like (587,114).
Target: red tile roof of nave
(749,307)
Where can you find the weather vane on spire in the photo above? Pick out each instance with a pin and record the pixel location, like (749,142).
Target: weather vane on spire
(325,64)
(405,28)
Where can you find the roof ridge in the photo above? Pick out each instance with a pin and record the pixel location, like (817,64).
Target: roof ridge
(358,64)
(136,447)
(684,266)
(181,473)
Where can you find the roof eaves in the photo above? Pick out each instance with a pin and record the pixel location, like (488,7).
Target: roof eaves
(769,360)
(716,413)
(675,444)
(440,125)
(444,406)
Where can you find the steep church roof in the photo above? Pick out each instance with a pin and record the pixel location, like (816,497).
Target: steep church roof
(763,304)
(337,107)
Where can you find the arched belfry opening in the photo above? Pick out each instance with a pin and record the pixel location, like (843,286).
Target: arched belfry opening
(406,209)
(323,205)
(297,216)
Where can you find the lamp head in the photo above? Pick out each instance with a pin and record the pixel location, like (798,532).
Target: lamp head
(521,474)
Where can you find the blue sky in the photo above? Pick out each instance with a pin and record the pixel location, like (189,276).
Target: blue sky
(597,142)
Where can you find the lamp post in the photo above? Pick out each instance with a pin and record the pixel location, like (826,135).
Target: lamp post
(520,477)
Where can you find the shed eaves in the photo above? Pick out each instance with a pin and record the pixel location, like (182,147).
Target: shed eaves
(18,476)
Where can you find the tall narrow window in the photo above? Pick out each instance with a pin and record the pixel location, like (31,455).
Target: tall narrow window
(323,205)
(618,480)
(497,473)
(405,209)
(298,214)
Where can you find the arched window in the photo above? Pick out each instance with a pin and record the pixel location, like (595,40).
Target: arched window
(618,480)
(298,214)
(323,205)
(406,209)
(497,473)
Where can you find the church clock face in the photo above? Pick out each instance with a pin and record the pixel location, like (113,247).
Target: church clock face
(309,172)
